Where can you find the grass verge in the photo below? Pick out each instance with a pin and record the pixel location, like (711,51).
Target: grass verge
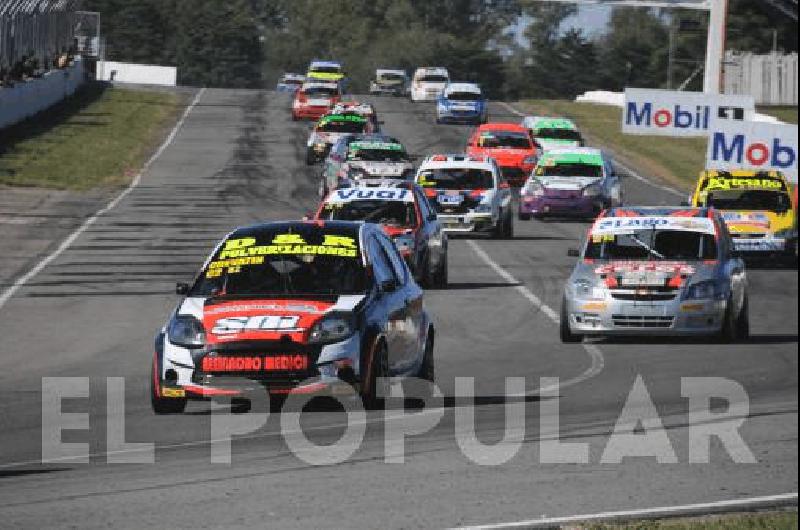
(100,137)
(754,521)
(784,113)
(675,160)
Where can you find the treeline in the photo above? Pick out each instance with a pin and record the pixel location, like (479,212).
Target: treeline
(248,43)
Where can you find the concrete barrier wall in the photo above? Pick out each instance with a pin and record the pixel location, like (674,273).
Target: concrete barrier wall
(144,74)
(27,98)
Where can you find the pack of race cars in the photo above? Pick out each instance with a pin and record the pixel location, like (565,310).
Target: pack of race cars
(333,303)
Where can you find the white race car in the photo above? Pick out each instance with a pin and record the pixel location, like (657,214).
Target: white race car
(428,83)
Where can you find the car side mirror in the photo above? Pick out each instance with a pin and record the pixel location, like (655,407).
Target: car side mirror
(573,253)
(182,288)
(388,286)
(308,216)
(432,217)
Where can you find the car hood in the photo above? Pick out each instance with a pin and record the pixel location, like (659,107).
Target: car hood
(381,168)
(324,137)
(552,143)
(641,274)
(507,157)
(227,320)
(567,183)
(756,221)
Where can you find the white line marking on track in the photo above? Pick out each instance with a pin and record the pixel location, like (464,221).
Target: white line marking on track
(25,278)
(661,511)
(596,356)
(628,170)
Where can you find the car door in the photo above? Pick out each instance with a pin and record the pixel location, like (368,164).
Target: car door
(429,231)
(391,304)
(410,322)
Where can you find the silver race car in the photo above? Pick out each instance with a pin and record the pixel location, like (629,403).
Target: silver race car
(656,271)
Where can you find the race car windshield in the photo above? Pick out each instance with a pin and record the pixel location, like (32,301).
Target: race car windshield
(433,79)
(349,126)
(570,170)
(392,213)
(391,78)
(320,91)
(326,69)
(559,134)
(464,96)
(456,179)
(504,140)
(278,264)
(378,155)
(649,244)
(749,200)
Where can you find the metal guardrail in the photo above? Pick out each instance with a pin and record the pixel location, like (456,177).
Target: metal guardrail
(35,28)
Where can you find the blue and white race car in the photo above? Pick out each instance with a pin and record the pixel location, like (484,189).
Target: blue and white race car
(290,83)
(462,103)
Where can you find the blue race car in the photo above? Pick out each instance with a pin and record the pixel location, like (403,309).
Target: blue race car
(290,83)
(462,103)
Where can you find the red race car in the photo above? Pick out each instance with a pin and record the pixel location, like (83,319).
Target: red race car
(315,99)
(510,145)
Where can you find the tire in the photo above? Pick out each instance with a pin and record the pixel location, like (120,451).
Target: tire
(163,405)
(276,402)
(440,277)
(508,230)
(427,369)
(524,216)
(565,332)
(743,321)
(311,158)
(728,333)
(378,367)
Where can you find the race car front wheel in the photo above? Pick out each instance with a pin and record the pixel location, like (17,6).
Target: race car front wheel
(375,386)
(565,332)
(161,405)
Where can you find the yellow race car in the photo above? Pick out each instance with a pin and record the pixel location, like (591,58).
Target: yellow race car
(757,207)
(325,71)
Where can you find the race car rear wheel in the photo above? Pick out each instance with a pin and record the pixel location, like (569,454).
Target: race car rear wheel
(159,404)
(565,332)
(375,387)
(728,333)
(743,321)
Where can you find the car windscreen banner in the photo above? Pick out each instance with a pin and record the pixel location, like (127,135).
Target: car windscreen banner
(758,146)
(673,113)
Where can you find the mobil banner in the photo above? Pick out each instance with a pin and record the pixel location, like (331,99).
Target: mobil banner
(674,113)
(753,145)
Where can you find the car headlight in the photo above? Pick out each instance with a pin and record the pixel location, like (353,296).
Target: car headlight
(586,290)
(530,160)
(534,189)
(705,290)
(592,190)
(332,328)
(186,331)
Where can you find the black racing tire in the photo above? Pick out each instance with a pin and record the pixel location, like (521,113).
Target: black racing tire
(524,216)
(377,368)
(743,321)
(311,157)
(728,333)
(276,402)
(564,331)
(440,276)
(162,405)
(427,370)
(508,229)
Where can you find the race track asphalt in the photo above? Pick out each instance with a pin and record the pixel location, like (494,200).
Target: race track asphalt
(238,159)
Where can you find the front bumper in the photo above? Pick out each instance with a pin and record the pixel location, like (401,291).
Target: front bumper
(572,207)
(182,373)
(466,222)
(622,317)
(462,116)
(310,113)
